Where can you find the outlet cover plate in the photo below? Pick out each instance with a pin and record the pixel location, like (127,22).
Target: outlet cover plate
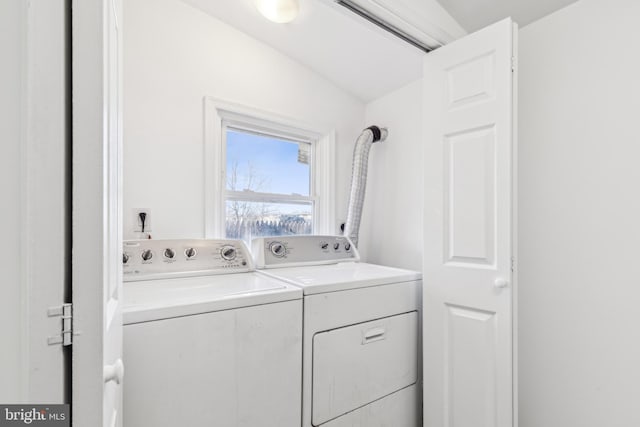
(137,222)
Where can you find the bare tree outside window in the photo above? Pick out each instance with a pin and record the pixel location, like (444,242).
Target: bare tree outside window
(242,213)
(247,219)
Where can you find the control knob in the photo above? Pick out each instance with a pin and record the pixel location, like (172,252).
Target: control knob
(324,246)
(278,249)
(169,253)
(146,255)
(190,253)
(228,253)
(336,246)
(347,247)
(125,257)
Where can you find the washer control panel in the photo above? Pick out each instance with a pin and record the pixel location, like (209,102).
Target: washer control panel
(287,251)
(154,259)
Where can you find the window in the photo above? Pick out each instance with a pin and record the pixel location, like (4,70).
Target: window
(268,184)
(265,175)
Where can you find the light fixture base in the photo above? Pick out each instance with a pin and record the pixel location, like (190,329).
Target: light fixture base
(279,11)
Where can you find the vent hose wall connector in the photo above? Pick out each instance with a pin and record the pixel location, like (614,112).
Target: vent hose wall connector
(359,178)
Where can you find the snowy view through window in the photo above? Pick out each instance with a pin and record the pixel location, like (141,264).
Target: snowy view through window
(268,186)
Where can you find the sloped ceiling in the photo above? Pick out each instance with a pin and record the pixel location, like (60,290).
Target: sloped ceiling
(356,55)
(352,53)
(476,14)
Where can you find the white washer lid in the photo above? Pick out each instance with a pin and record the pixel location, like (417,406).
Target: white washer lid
(161,299)
(338,277)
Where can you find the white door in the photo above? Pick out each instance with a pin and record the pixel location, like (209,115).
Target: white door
(96,215)
(469,239)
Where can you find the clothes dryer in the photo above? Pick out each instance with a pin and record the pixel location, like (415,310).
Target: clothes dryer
(361,333)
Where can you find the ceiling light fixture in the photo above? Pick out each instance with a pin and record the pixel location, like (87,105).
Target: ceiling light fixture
(280,11)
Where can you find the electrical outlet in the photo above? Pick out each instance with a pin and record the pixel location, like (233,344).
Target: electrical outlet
(138,214)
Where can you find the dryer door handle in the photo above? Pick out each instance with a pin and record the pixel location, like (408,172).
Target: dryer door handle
(373,335)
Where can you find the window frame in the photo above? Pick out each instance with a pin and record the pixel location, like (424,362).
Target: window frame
(221,115)
(259,196)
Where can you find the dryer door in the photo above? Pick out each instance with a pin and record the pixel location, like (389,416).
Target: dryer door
(356,365)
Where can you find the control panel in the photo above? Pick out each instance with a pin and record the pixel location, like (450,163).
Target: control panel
(153,259)
(287,251)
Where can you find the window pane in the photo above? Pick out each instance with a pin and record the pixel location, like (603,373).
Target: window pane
(266,164)
(247,220)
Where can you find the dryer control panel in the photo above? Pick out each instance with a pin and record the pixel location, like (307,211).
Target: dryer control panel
(288,251)
(155,259)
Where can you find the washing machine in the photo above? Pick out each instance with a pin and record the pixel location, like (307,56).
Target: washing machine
(361,333)
(207,341)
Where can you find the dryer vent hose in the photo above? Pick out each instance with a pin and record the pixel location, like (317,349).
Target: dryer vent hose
(359,179)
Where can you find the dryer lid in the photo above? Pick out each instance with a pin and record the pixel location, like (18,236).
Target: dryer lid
(343,276)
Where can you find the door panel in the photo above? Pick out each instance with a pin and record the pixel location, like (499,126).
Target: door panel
(112,309)
(97,370)
(468,343)
(471,81)
(471,375)
(469,193)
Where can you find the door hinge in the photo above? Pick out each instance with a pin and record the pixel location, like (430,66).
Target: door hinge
(65,312)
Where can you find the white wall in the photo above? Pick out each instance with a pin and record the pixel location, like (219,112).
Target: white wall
(579,217)
(34,251)
(46,234)
(579,209)
(174,56)
(12,23)
(391,229)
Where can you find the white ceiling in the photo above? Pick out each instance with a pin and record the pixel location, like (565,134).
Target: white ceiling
(354,54)
(473,15)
